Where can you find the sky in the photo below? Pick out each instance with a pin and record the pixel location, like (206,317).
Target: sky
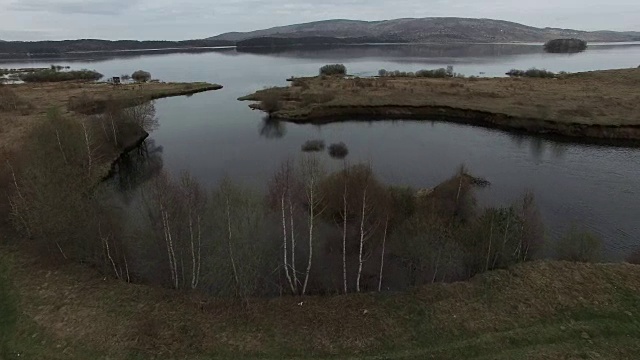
(195,19)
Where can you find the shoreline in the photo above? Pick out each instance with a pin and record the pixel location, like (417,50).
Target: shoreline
(567,132)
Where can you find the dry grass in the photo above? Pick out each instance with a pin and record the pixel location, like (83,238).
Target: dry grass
(93,97)
(534,309)
(606,98)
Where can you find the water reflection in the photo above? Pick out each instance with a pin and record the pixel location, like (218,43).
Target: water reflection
(136,167)
(538,146)
(272,129)
(402,52)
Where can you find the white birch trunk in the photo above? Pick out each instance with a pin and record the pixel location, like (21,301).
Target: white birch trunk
(360,260)
(384,243)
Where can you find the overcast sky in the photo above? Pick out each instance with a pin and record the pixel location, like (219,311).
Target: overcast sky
(192,19)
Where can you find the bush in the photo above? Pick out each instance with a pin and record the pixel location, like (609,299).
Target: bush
(533,73)
(579,246)
(313,146)
(141,76)
(335,69)
(50,75)
(565,46)
(437,73)
(271,102)
(338,151)
(8,310)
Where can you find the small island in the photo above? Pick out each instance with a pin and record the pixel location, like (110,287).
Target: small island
(565,46)
(597,105)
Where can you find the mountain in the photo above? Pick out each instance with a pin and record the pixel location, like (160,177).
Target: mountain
(428,30)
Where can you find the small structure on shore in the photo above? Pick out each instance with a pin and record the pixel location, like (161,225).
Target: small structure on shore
(116,80)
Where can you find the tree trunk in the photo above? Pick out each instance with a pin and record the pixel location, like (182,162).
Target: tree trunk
(284,244)
(360,260)
(384,242)
(293,247)
(344,236)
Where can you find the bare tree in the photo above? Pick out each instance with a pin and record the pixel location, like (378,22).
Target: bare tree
(195,207)
(280,194)
(164,200)
(344,229)
(312,173)
(365,233)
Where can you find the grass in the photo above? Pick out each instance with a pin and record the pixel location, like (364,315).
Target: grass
(604,101)
(540,310)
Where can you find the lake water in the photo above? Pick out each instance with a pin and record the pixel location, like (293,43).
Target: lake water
(213,135)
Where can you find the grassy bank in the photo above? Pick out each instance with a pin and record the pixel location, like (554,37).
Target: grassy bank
(76,99)
(598,104)
(539,310)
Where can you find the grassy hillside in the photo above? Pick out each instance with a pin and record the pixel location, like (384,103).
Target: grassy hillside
(540,310)
(447,29)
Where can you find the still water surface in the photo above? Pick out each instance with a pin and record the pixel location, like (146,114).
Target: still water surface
(213,135)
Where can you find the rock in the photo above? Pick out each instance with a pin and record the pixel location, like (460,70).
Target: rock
(585,336)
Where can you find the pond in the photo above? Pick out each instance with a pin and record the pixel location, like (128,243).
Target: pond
(214,135)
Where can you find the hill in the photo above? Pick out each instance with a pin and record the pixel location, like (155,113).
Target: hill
(429,30)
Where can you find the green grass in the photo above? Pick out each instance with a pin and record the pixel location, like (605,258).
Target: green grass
(541,310)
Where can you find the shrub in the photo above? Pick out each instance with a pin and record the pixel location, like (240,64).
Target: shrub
(565,46)
(437,73)
(271,102)
(125,77)
(313,146)
(141,76)
(50,75)
(9,101)
(338,151)
(335,69)
(579,246)
(533,73)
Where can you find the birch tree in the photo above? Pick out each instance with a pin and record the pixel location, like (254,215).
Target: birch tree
(281,189)
(196,202)
(311,174)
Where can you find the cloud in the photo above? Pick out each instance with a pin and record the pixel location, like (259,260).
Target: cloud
(92,7)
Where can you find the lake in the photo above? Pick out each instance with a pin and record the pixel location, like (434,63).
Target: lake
(213,135)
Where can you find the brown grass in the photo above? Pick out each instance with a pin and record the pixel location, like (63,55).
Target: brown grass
(593,99)
(73,97)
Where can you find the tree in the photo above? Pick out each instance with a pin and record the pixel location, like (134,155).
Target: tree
(196,202)
(311,175)
(334,69)
(141,76)
(281,190)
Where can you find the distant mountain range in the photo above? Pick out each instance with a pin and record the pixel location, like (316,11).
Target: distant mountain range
(439,30)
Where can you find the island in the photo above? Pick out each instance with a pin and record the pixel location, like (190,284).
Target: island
(591,105)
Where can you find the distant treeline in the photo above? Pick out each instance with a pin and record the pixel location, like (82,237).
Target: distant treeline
(47,48)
